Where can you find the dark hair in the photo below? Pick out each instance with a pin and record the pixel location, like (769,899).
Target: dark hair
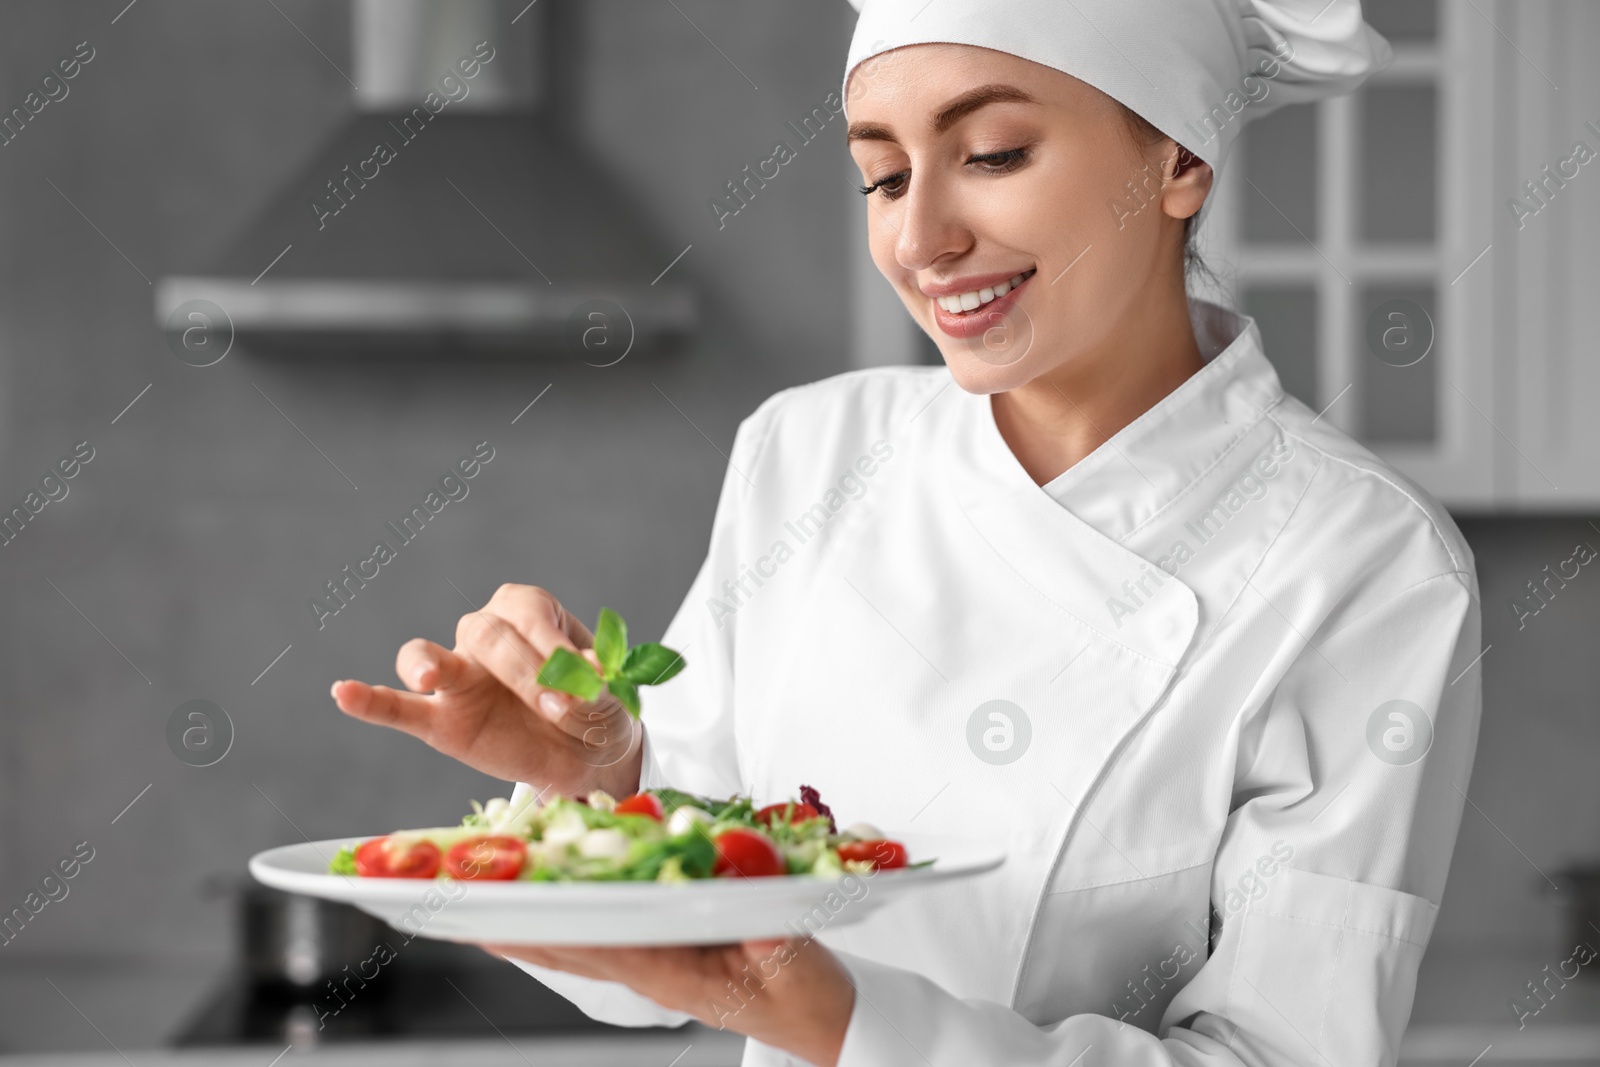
(1144,132)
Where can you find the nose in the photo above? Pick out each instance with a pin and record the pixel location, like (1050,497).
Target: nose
(930,227)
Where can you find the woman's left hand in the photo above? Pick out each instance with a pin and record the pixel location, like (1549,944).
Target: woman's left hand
(791,994)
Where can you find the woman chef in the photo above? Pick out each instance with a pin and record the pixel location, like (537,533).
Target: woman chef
(1096,589)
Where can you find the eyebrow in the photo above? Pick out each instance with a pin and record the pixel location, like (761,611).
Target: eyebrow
(952,112)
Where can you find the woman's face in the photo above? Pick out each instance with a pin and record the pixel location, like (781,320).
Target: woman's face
(988,167)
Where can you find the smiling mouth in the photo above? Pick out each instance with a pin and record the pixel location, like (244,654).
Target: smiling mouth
(967,303)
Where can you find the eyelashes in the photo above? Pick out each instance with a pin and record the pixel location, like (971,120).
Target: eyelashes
(893,186)
(1000,162)
(884,183)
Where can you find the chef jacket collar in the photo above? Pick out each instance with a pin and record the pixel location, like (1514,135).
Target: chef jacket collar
(1125,482)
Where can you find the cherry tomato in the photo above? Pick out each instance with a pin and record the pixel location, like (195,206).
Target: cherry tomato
(384,857)
(486,859)
(747,854)
(884,855)
(802,811)
(641,804)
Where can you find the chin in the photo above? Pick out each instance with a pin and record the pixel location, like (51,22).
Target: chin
(980,377)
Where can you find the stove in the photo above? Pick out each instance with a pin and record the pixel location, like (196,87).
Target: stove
(424,990)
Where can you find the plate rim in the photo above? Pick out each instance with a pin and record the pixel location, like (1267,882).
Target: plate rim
(984,858)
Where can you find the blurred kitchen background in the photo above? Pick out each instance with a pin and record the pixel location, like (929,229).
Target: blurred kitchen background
(241,459)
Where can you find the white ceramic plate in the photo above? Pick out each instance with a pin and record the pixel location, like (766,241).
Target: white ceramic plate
(712,911)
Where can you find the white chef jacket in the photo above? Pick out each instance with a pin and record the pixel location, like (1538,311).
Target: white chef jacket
(1235,655)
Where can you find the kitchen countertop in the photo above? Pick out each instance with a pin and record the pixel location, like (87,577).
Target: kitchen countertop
(1554,1045)
(65,1013)
(699,1048)
(1462,1008)
(1557,1045)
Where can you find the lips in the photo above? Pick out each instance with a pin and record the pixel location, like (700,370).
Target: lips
(986,316)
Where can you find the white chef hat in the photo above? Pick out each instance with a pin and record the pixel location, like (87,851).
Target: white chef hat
(1197,70)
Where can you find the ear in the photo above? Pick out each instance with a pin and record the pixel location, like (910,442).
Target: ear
(1185,181)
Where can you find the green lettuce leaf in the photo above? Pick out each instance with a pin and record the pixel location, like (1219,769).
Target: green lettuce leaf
(343,862)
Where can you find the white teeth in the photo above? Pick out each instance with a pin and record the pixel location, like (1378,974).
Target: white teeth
(978,297)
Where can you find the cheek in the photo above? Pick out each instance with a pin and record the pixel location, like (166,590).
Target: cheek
(1106,240)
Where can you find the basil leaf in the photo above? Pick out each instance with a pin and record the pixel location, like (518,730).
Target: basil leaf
(626,692)
(571,673)
(610,641)
(651,664)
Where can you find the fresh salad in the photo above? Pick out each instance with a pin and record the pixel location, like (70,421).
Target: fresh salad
(660,835)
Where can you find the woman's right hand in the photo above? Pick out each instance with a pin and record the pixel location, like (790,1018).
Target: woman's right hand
(481,703)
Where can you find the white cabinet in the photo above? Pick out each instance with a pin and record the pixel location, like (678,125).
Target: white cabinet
(1336,222)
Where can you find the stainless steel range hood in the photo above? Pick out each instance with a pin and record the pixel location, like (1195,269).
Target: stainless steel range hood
(454,206)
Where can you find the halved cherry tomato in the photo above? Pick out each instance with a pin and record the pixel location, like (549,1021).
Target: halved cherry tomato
(801,813)
(884,855)
(746,854)
(641,804)
(486,859)
(384,857)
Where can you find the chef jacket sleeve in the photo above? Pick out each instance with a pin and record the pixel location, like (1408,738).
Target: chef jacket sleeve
(1356,765)
(688,720)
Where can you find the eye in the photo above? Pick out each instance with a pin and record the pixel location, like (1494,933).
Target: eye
(893,186)
(1000,162)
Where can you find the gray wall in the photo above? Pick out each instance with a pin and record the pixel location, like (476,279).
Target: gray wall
(205,521)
